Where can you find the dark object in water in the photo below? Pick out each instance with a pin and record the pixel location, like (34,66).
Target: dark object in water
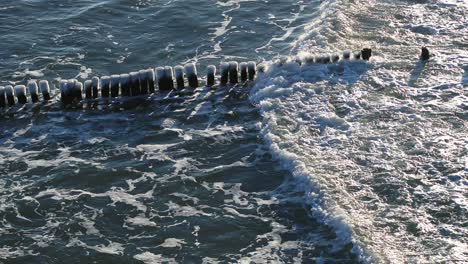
(105,86)
(366,53)
(179,75)
(2,97)
(425,54)
(210,75)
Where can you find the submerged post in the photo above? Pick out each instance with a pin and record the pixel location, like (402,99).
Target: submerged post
(33,91)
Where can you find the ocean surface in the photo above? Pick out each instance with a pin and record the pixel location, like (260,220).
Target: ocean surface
(354,162)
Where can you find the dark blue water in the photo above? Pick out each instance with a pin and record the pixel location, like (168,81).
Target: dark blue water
(346,163)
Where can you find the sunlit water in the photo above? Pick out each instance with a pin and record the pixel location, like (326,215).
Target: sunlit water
(353,162)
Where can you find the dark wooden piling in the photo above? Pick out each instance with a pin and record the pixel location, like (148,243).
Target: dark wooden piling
(20,92)
(210,75)
(179,75)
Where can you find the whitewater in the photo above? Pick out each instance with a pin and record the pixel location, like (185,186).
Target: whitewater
(350,162)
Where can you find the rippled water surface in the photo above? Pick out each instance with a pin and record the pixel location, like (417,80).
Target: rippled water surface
(341,163)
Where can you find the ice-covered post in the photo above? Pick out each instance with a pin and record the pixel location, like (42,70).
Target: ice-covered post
(88,84)
(125,85)
(114,85)
(143,76)
(357,55)
(45,90)
(10,95)
(346,55)
(150,77)
(161,79)
(224,72)
(33,91)
(210,75)
(335,58)
(2,97)
(78,91)
(20,92)
(243,71)
(191,71)
(95,87)
(233,72)
(105,86)
(168,73)
(179,75)
(252,70)
(70,91)
(134,83)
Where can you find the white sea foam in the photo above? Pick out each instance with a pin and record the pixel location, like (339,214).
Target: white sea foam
(150,258)
(350,133)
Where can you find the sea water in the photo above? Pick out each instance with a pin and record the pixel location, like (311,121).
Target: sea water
(341,163)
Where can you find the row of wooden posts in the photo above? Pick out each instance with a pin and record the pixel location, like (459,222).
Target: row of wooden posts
(144,82)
